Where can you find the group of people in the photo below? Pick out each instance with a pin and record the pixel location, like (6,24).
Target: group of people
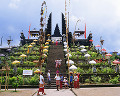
(59,81)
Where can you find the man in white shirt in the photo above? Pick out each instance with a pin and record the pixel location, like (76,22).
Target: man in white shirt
(41,84)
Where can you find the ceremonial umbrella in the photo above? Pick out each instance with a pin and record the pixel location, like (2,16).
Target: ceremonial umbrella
(65,43)
(45,47)
(35,40)
(69,54)
(103,49)
(73,67)
(30,46)
(44,55)
(65,46)
(82,46)
(108,54)
(86,55)
(92,62)
(46,43)
(83,50)
(65,49)
(116,62)
(91,40)
(45,50)
(97,46)
(48,40)
(32,43)
(15,62)
(70,62)
(23,55)
(48,35)
(37,71)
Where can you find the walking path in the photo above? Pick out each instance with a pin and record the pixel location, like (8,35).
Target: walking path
(54,92)
(101,91)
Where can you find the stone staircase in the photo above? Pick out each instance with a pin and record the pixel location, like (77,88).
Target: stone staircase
(55,52)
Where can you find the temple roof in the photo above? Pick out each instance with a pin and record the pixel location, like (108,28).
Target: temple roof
(57,32)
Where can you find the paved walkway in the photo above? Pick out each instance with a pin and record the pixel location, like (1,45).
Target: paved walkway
(54,92)
(101,91)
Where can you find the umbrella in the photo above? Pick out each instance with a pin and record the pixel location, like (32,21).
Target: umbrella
(65,43)
(108,54)
(45,47)
(70,62)
(44,55)
(73,67)
(32,43)
(83,50)
(45,50)
(82,46)
(15,62)
(116,62)
(37,71)
(92,62)
(35,61)
(69,54)
(23,55)
(2,55)
(35,40)
(30,46)
(103,49)
(65,50)
(48,35)
(97,46)
(48,40)
(86,55)
(46,43)
(91,40)
(65,46)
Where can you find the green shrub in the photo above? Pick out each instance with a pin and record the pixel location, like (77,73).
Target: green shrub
(96,79)
(34,80)
(87,81)
(114,80)
(20,80)
(80,70)
(26,81)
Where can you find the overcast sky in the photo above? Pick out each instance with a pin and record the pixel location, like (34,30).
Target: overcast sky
(102,18)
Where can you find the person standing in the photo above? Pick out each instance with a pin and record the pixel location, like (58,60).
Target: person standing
(48,78)
(57,78)
(41,85)
(75,81)
(61,81)
(71,80)
(78,80)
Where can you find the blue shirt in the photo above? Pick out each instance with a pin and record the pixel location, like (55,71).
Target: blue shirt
(61,78)
(71,78)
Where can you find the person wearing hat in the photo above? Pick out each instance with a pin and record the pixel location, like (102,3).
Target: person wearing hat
(41,84)
(48,78)
(57,78)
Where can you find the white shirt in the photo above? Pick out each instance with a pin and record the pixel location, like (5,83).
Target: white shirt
(48,74)
(41,77)
(57,77)
(75,78)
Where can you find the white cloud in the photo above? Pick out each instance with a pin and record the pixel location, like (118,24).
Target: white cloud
(14,4)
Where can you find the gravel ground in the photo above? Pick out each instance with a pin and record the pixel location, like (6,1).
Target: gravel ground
(21,92)
(54,92)
(101,91)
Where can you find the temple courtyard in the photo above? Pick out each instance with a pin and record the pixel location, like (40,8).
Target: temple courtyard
(100,91)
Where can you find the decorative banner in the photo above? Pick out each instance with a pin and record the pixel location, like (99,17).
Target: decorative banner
(27,72)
